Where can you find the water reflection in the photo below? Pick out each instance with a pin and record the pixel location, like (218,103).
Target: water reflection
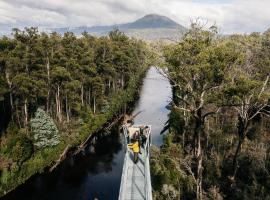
(84,176)
(97,171)
(155,96)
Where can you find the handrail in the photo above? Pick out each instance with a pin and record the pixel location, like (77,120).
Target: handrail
(147,176)
(148,187)
(123,179)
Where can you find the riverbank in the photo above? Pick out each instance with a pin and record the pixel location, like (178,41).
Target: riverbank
(81,129)
(96,171)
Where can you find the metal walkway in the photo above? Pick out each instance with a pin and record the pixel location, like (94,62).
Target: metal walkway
(136,179)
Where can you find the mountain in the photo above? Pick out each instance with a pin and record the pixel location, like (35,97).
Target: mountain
(153,21)
(149,27)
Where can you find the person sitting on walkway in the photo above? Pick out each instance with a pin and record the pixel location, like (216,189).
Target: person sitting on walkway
(134,145)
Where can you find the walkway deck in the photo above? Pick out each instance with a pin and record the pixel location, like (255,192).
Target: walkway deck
(136,180)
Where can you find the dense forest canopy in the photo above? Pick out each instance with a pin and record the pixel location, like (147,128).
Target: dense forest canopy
(64,73)
(218,145)
(56,90)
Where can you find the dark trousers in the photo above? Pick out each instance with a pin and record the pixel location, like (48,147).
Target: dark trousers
(136,157)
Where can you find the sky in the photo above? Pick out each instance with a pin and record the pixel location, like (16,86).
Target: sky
(231,16)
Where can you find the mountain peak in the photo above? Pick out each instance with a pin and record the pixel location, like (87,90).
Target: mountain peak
(153,15)
(149,27)
(154,21)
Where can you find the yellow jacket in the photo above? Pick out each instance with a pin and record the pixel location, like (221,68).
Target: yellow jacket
(135,147)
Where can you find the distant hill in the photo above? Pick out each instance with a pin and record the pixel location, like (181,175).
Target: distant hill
(152,21)
(149,27)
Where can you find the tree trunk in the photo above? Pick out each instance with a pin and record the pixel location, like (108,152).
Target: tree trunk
(242,126)
(67,110)
(235,158)
(17,115)
(89,97)
(199,123)
(122,81)
(48,101)
(25,113)
(185,127)
(109,84)
(94,105)
(11,104)
(58,104)
(199,157)
(10,93)
(114,86)
(49,87)
(183,139)
(82,94)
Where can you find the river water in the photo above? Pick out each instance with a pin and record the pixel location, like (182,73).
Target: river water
(96,173)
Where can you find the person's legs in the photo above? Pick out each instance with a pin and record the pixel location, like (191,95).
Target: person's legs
(140,145)
(143,141)
(136,157)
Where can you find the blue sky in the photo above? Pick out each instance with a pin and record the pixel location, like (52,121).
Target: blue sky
(231,16)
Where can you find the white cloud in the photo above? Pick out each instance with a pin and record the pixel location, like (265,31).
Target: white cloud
(230,15)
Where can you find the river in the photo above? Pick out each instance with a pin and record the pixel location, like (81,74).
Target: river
(96,172)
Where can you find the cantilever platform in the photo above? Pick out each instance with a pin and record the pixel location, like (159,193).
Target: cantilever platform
(136,179)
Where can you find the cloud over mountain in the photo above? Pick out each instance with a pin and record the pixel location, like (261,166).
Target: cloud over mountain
(229,15)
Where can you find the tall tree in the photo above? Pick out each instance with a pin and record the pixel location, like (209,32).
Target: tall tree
(248,90)
(196,69)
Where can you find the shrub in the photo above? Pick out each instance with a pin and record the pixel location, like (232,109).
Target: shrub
(44,130)
(18,147)
(21,150)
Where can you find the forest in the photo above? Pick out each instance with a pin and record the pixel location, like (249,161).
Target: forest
(218,141)
(57,90)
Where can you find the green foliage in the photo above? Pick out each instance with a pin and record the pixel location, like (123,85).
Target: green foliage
(176,121)
(45,132)
(3,88)
(22,150)
(81,82)
(220,107)
(18,147)
(167,173)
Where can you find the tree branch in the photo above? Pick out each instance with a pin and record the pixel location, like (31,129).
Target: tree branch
(182,99)
(257,112)
(264,85)
(211,113)
(180,108)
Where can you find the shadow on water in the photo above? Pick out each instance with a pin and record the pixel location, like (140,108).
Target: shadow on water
(96,172)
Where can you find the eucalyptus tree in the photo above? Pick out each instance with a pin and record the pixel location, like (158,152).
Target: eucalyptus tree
(196,67)
(104,61)
(6,45)
(50,46)
(24,71)
(72,91)
(60,76)
(122,58)
(86,67)
(98,92)
(45,70)
(248,88)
